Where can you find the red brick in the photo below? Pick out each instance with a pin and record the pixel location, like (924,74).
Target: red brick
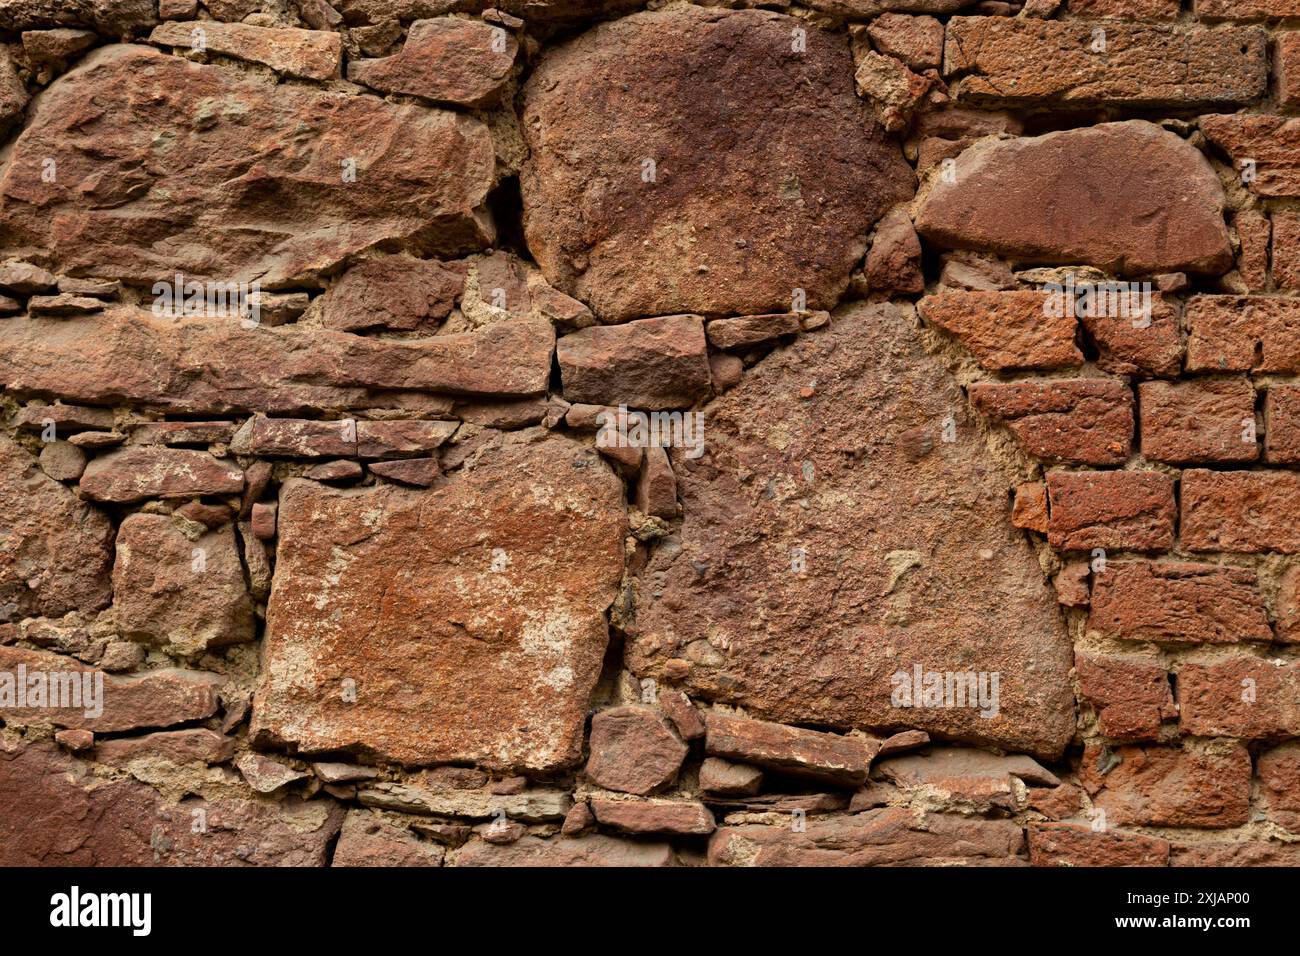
(1077,421)
(1198,422)
(1248,697)
(1286,68)
(1013,61)
(1244,511)
(1131,694)
(1278,771)
(1231,333)
(1072,844)
(1132,510)
(1286,245)
(1272,143)
(1126,349)
(1178,603)
(1236,854)
(1163,786)
(1005,330)
(1253,231)
(1286,608)
(1029,510)
(1215,10)
(1282,425)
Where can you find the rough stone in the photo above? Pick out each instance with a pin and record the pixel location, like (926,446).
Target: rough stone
(1198,422)
(594,849)
(650,364)
(820,756)
(393,293)
(1243,334)
(367,839)
(633,751)
(1160,786)
(1071,844)
(671,817)
(1131,694)
(1005,330)
(310,54)
(445,60)
(144,471)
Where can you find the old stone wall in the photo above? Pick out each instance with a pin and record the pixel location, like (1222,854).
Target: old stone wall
(333,334)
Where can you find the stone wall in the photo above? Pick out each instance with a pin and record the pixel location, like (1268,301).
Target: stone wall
(329,335)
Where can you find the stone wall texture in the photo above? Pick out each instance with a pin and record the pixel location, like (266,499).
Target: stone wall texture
(611,433)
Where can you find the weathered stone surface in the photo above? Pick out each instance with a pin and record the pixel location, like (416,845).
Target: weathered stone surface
(310,54)
(62,461)
(898,542)
(1159,205)
(1264,149)
(1227,333)
(747,330)
(132,355)
(1011,61)
(893,89)
(421,176)
(1160,786)
(368,839)
(792,750)
(1072,844)
(1234,854)
(1131,694)
(633,751)
(453,653)
(265,775)
(144,471)
(1132,347)
(180,594)
(1080,421)
(917,41)
(1245,511)
(71,818)
(439,798)
(1247,697)
(594,849)
(684,715)
(1005,330)
(401,439)
(55,551)
(893,264)
(1178,603)
(1133,510)
(110,17)
(66,419)
(157,698)
(172,746)
(182,433)
(973,778)
(1278,771)
(446,60)
(722,778)
(417,472)
(890,836)
(672,817)
(394,293)
(1198,422)
(294,438)
(650,364)
(721,228)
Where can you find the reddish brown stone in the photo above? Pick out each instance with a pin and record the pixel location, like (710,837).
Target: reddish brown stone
(1127,9)
(1131,694)
(183,595)
(1161,786)
(748,330)
(1278,771)
(1264,149)
(793,750)
(1253,231)
(401,439)
(140,472)
(975,272)
(1029,508)
(182,433)
(1070,844)
(1005,330)
(294,438)
(684,715)
(633,751)
(1072,584)
(72,818)
(157,698)
(1216,10)
(594,849)
(1198,422)
(1286,244)
(417,472)
(917,41)
(1178,602)
(722,778)
(394,293)
(971,777)
(507,600)
(1079,421)
(310,54)
(55,551)
(1131,233)
(1237,854)
(1128,346)
(263,521)
(1133,510)
(265,775)
(1244,511)
(893,89)
(656,488)
(368,839)
(420,179)
(1056,803)
(66,419)
(445,60)
(671,817)
(1248,697)
(779,217)
(131,355)
(894,836)
(173,746)
(730,617)
(1243,334)
(651,364)
(1018,62)
(893,264)
(1282,425)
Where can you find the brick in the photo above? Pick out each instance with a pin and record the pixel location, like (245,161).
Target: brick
(1005,330)
(1132,510)
(1247,697)
(1254,231)
(1215,10)
(1286,68)
(1072,844)
(1243,334)
(1178,603)
(1236,854)
(1271,144)
(1164,786)
(1029,509)
(1198,422)
(1245,511)
(1278,771)
(1286,248)
(1010,61)
(1286,608)
(1083,422)
(1131,694)
(1143,350)
(1282,425)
